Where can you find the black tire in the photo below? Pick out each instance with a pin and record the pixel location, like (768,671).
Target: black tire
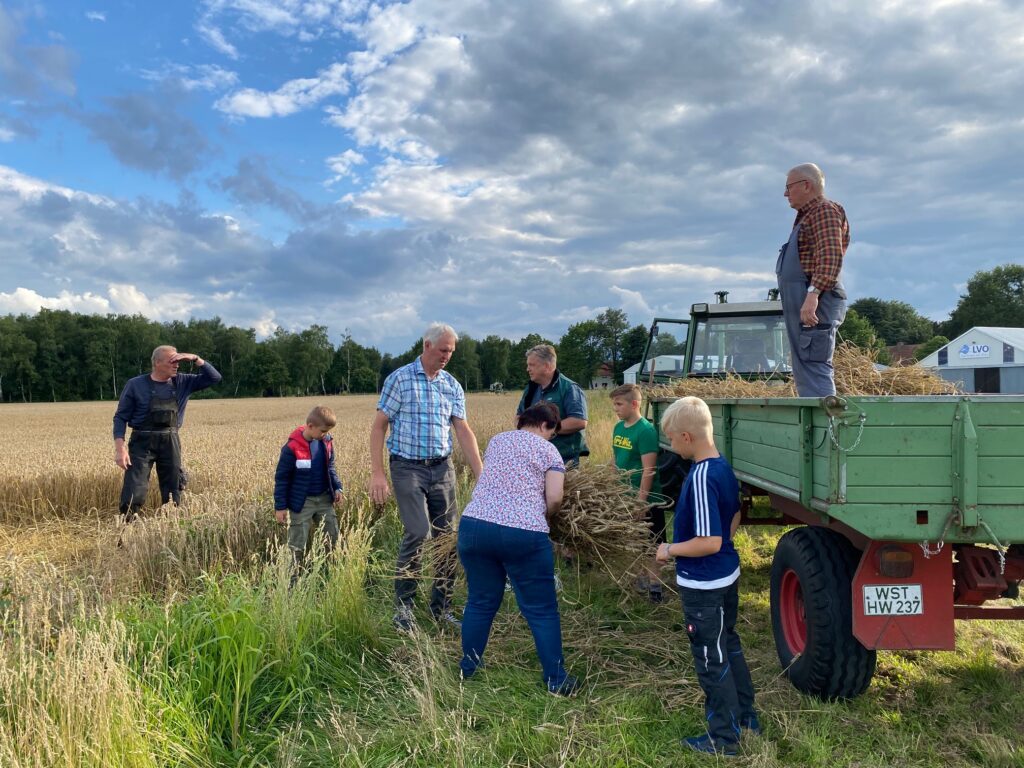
(672,472)
(812,614)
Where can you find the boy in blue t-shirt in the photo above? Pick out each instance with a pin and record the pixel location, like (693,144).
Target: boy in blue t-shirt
(708,571)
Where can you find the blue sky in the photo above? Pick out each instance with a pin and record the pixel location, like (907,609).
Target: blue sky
(504,167)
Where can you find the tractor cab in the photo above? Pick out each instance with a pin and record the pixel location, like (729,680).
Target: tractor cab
(746,339)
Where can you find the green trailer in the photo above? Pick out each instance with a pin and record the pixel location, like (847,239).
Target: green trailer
(911,515)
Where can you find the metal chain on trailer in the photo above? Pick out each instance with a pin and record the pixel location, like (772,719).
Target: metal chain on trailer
(928,552)
(999,547)
(835,439)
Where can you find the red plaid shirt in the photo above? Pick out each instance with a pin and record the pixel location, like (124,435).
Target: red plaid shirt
(822,242)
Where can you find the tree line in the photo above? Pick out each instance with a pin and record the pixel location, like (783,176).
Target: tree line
(58,355)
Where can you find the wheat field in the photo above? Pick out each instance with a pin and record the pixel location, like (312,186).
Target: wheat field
(59,486)
(188,646)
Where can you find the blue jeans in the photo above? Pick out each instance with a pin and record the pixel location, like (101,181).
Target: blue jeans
(489,552)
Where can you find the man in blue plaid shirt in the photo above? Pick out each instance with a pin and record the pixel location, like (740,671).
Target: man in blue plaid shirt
(422,404)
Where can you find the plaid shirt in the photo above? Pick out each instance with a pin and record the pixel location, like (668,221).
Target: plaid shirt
(421,411)
(822,242)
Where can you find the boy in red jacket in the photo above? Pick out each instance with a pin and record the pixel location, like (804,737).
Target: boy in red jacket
(306,483)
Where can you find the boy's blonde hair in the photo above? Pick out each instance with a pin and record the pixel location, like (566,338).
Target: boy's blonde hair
(322,417)
(688,414)
(632,391)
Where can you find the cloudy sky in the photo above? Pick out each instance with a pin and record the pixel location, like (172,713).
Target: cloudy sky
(506,167)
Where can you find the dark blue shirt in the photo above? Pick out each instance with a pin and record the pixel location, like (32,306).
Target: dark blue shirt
(317,468)
(133,406)
(707,505)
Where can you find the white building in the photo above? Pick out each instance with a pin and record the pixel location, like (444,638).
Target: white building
(984,359)
(669,364)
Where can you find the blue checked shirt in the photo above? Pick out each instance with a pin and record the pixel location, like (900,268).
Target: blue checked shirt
(421,411)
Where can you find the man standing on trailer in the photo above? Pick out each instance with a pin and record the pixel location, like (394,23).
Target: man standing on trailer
(153,405)
(813,298)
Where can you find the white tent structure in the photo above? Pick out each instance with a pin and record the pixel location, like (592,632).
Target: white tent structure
(984,359)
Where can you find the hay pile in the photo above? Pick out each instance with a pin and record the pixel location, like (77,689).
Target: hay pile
(600,522)
(601,518)
(855,374)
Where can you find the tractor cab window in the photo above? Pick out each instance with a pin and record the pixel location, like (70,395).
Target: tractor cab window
(743,345)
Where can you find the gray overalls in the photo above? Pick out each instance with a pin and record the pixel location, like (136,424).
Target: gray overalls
(155,441)
(811,349)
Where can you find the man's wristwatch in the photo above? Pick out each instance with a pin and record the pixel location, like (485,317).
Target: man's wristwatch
(812,289)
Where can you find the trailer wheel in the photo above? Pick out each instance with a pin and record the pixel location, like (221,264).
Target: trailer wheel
(812,614)
(672,471)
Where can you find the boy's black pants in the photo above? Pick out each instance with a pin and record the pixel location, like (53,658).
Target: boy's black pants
(722,672)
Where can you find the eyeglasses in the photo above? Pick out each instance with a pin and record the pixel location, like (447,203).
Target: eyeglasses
(800,181)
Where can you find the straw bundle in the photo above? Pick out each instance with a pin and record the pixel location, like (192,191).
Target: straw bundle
(601,518)
(601,521)
(855,374)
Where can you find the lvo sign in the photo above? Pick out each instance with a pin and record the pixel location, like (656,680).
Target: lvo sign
(974,350)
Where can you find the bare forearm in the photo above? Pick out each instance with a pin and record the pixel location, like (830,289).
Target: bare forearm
(572,425)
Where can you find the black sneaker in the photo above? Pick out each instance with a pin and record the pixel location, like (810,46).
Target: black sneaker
(403,620)
(706,745)
(447,619)
(567,687)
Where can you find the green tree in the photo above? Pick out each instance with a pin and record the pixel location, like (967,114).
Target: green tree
(465,363)
(858,331)
(934,343)
(613,324)
(994,298)
(17,355)
(494,360)
(633,342)
(894,321)
(581,350)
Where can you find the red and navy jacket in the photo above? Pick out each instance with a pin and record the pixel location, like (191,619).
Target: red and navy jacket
(291,480)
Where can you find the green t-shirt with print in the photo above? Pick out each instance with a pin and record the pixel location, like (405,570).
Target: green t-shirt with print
(629,444)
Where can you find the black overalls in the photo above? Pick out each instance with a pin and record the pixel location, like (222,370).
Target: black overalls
(155,441)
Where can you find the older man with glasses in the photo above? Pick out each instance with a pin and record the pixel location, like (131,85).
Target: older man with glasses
(813,298)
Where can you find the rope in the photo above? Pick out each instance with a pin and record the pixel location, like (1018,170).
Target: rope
(928,552)
(999,547)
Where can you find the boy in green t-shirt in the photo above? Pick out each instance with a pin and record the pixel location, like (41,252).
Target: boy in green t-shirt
(635,449)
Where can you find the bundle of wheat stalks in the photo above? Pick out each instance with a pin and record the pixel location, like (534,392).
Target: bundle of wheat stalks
(855,374)
(601,522)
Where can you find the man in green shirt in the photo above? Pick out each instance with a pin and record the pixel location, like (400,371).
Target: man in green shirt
(635,450)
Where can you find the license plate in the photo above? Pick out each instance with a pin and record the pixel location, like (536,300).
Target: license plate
(893,600)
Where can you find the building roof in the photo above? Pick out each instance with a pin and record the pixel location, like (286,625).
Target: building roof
(902,353)
(1012,336)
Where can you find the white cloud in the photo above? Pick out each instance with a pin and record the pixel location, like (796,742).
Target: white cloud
(96,15)
(291,97)
(216,39)
(128,299)
(341,165)
(202,77)
(6,134)
(27,301)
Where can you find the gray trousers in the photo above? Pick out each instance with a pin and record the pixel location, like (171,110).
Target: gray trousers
(426,505)
(812,347)
(316,512)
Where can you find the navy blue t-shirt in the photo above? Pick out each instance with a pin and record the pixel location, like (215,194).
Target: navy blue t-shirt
(317,469)
(707,505)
